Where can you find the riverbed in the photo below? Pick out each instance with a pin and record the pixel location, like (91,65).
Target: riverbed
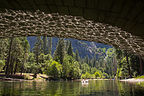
(70,88)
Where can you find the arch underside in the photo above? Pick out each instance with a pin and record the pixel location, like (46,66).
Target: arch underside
(26,23)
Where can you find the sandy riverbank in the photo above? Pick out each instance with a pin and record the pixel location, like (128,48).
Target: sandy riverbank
(23,77)
(132,80)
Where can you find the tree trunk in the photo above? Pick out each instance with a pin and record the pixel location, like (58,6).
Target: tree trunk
(37,59)
(15,69)
(115,65)
(22,66)
(12,65)
(141,67)
(128,65)
(8,58)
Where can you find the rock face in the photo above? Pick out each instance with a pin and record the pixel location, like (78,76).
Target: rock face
(25,23)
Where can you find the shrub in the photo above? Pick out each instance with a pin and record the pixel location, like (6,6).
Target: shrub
(97,75)
(87,76)
(54,69)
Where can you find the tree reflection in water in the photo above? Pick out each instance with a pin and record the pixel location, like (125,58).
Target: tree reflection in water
(70,88)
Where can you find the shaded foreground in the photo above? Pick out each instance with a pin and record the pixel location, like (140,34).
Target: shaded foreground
(75,88)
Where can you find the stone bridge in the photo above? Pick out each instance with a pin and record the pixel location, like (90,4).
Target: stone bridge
(116,22)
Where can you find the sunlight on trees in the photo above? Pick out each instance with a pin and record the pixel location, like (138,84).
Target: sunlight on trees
(65,63)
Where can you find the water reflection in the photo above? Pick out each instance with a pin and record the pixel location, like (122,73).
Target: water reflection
(93,88)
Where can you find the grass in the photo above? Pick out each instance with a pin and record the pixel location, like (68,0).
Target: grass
(140,77)
(140,84)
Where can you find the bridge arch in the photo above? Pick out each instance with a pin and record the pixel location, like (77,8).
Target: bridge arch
(93,20)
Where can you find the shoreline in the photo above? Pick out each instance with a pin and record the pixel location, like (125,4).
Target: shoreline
(23,77)
(132,80)
(16,79)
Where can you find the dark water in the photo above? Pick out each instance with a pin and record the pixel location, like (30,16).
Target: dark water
(69,88)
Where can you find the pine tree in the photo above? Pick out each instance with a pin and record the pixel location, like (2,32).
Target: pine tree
(59,52)
(3,48)
(17,53)
(38,49)
(86,59)
(14,55)
(141,65)
(45,45)
(26,49)
(67,42)
(129,69)
(70,50)
(49,45)
(7,72)
(77,55)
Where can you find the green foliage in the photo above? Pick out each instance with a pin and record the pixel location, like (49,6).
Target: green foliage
(3,48)
(53,69)
(93,70)
(38,49)
(129,65)
(97,75)
(85,68)
(123,70)
(71,68)
(86,75)
(106,63)
(105,76)
(77,56)
(45,51)
(140,77)
(43,58)
(59,52)
(32,67)
(2,63)
(70,50)
(49,47)
(31,58)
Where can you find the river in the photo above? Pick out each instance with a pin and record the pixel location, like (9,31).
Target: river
(70,88)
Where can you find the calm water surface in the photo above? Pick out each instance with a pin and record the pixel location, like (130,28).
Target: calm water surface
(69,88)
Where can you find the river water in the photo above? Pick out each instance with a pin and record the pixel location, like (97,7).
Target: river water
(70,88)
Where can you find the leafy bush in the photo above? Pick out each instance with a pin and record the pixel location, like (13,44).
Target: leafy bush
(105,75)
(97,75)
(71,68)
(87,76)
(140,77)
(54,69)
